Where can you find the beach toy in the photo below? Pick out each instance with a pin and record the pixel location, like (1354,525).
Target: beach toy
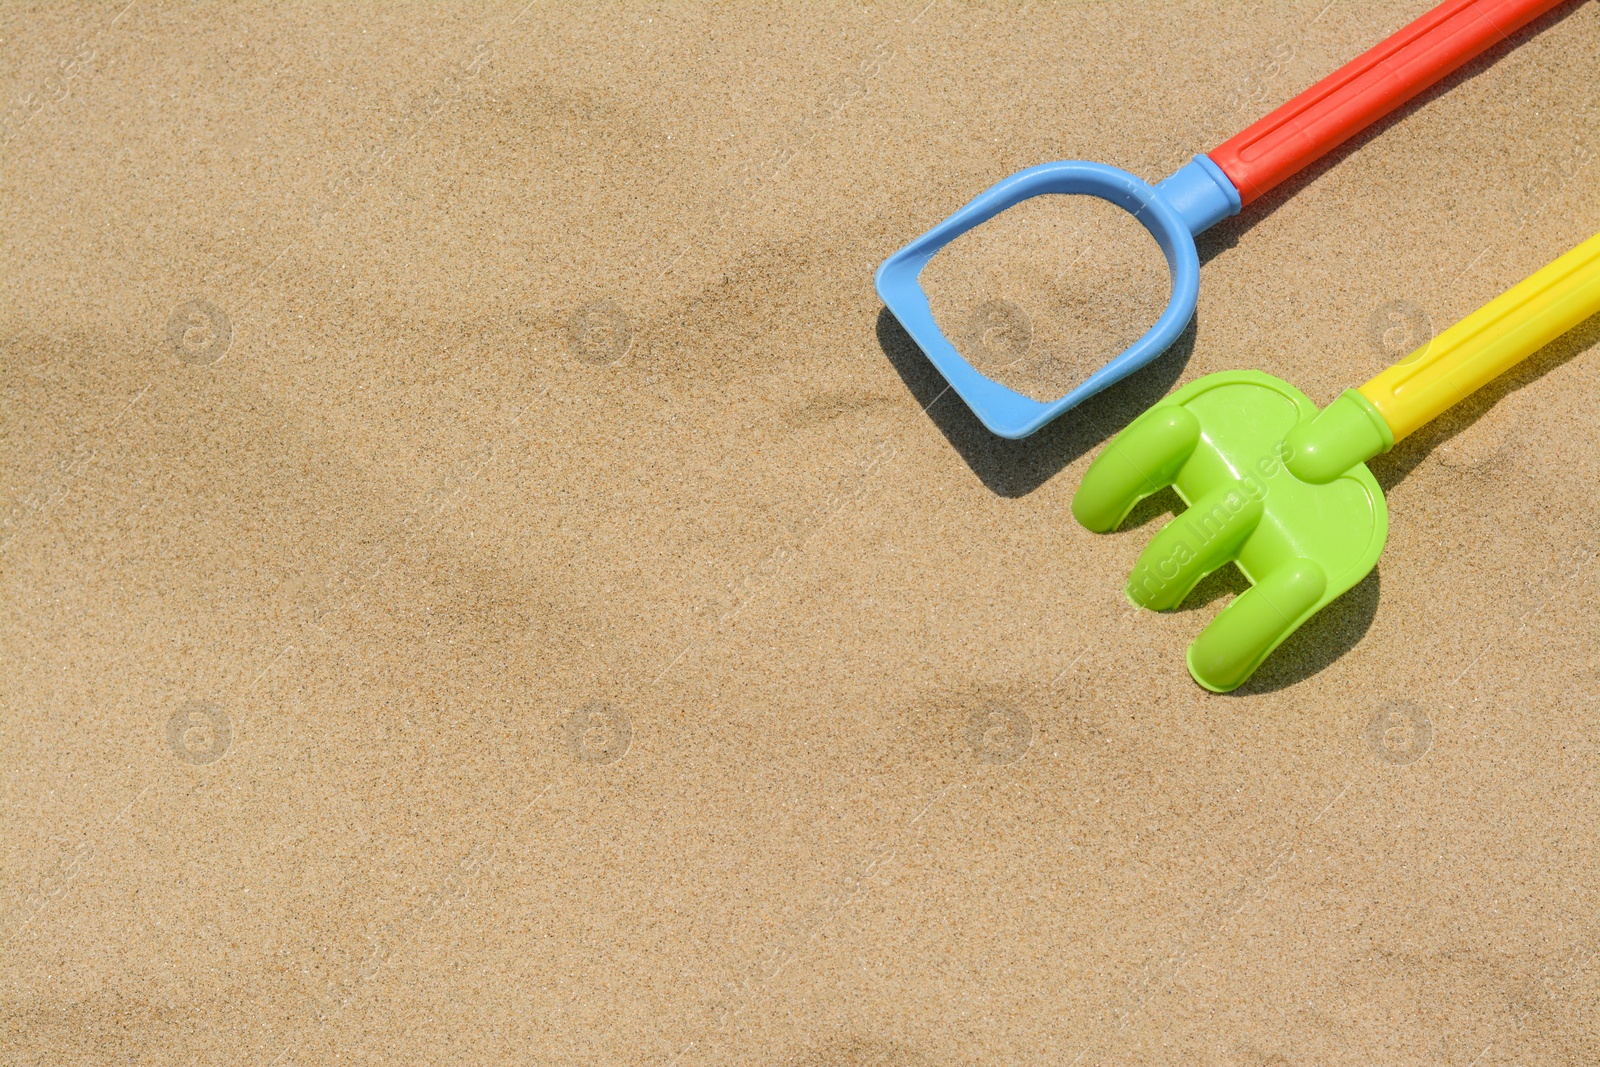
(1202,193)
(1283,491)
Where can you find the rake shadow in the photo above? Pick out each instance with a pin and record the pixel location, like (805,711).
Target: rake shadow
(1326,636)
(1340,626)
(1329,634)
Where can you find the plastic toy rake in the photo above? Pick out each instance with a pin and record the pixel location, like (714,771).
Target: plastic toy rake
(1282,491)
(1202,193)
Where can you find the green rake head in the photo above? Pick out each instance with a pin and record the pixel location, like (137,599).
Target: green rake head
(1219,443)
(1283,491)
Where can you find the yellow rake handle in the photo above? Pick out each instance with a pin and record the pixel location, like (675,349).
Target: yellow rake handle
(1489,342)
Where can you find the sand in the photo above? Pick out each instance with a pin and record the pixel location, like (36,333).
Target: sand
(484,581)
(1040,297)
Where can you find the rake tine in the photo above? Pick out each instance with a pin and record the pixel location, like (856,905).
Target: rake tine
(1143,459)
(1191,546)
(1246,631)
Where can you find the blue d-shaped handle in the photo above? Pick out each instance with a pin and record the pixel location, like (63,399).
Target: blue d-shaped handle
(1194,199)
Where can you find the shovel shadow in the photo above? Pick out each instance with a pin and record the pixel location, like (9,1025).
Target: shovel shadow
(1017,468)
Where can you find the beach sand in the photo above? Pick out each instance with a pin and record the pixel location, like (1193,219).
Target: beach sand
(485,580)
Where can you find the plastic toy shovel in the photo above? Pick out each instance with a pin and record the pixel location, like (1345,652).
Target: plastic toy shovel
(1202,193)
(1283,491)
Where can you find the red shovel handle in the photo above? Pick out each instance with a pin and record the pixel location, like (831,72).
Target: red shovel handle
(1367,88)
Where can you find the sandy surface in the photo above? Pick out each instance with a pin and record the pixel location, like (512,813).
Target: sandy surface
(485,582)
(1041,296)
